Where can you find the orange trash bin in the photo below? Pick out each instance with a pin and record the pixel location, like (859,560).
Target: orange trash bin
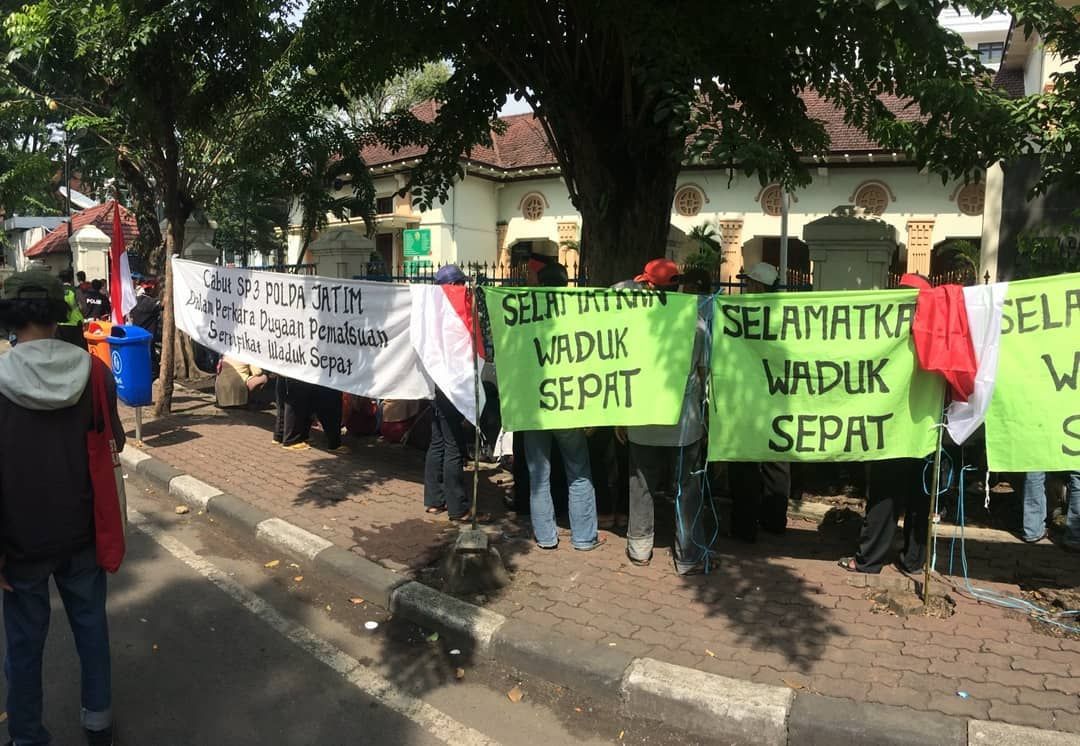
(97,341)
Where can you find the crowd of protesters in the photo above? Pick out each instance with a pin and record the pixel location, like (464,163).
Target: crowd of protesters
(605,477)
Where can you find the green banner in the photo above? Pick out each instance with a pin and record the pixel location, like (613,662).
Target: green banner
(828,376)
(1033,423)
(590,357)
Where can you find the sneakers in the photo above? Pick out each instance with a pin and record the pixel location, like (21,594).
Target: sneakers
(99,737)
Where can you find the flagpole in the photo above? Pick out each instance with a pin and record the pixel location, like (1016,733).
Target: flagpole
(934,486)
(476,400)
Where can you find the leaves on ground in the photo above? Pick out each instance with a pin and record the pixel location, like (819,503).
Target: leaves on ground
(272,564)
(515,695)
(356,600)
(182,510)
(298,578)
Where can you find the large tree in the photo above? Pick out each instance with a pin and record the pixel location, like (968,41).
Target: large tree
(630,91)
(181,91)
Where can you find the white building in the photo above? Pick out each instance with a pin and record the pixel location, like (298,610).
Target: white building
(512,200)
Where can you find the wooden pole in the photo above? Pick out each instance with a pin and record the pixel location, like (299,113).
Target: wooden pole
(476,400)
(934,485)
(138,424)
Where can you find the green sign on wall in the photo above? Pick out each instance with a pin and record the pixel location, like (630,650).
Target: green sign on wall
(417,241)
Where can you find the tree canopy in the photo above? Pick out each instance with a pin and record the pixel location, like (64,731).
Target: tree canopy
(630,91)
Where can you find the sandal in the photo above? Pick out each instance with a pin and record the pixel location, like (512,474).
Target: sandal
(639,562)
(436,510)
(848,563)
(600,541)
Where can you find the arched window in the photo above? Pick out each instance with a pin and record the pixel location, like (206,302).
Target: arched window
(971,198)
(688,201)
(872,197)
(532,206)
(771,200)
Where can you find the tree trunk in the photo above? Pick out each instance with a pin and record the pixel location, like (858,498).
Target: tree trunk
(174,242)
(625,214)
(144,201)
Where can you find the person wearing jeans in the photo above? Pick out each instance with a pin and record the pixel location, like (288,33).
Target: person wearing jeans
(26,623)
(654,449)
(47,508)
(1035,509)
(574,448)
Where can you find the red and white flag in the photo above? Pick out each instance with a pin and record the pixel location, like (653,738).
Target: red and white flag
(121,290)
(450,350)
(984,305)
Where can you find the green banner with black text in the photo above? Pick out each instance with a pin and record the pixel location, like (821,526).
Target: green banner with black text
(828,376)
(1033,423)
(590,357)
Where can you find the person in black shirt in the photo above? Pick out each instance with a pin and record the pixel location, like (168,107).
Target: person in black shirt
(95,305)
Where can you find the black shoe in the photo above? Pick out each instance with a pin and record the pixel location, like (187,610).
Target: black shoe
(99,737)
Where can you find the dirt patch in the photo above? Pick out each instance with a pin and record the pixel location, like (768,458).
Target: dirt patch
(905,604)
(1058,601)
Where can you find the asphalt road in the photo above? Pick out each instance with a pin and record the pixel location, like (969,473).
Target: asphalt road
(211,646)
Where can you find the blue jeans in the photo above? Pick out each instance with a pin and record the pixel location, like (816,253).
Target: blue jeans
(1035,506)
(26,625)
(575,453)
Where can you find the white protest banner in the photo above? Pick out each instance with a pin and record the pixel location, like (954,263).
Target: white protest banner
(349,335)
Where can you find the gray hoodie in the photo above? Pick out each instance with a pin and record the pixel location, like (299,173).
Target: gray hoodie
(44,374)
(46,411)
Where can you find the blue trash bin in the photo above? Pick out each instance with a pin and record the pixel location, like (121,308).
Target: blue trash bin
(130,347)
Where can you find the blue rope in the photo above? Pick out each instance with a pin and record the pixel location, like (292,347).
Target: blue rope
(993,597)
(703,473)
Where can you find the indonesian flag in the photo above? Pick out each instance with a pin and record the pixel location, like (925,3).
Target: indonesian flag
(451,352)
(984,305)
(121,291)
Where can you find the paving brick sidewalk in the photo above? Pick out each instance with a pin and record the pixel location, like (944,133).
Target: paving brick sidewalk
(780,612)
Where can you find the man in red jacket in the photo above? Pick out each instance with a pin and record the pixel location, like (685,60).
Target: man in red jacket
(46,507)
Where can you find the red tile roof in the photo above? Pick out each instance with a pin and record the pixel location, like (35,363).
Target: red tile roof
(1011,81)
(56,241)
(523,143)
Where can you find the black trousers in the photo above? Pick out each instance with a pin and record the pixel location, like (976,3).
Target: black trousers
(444,476)
(895,488)
(297,401)
(759,498)
(610,461)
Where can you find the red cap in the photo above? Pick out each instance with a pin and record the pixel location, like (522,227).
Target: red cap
(660,272)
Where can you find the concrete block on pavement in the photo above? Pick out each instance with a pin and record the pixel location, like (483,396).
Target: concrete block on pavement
(157,471)
(434,610)
(983,733)
(738,712)
(825,721)
(193,491)
(289,538)
(364,577)
(233,510)
(130,457)
(578,665)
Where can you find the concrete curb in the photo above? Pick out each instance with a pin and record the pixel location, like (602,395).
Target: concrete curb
(716,707)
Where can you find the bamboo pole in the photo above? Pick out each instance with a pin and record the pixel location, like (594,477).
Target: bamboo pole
(934,486)
(476,400)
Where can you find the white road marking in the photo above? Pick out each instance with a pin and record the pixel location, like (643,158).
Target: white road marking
(434,721)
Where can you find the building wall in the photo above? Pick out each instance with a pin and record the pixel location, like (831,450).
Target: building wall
(1033,67)
(482,219)
(473,229)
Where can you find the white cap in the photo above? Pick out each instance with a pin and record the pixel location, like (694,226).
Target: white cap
(764,273)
